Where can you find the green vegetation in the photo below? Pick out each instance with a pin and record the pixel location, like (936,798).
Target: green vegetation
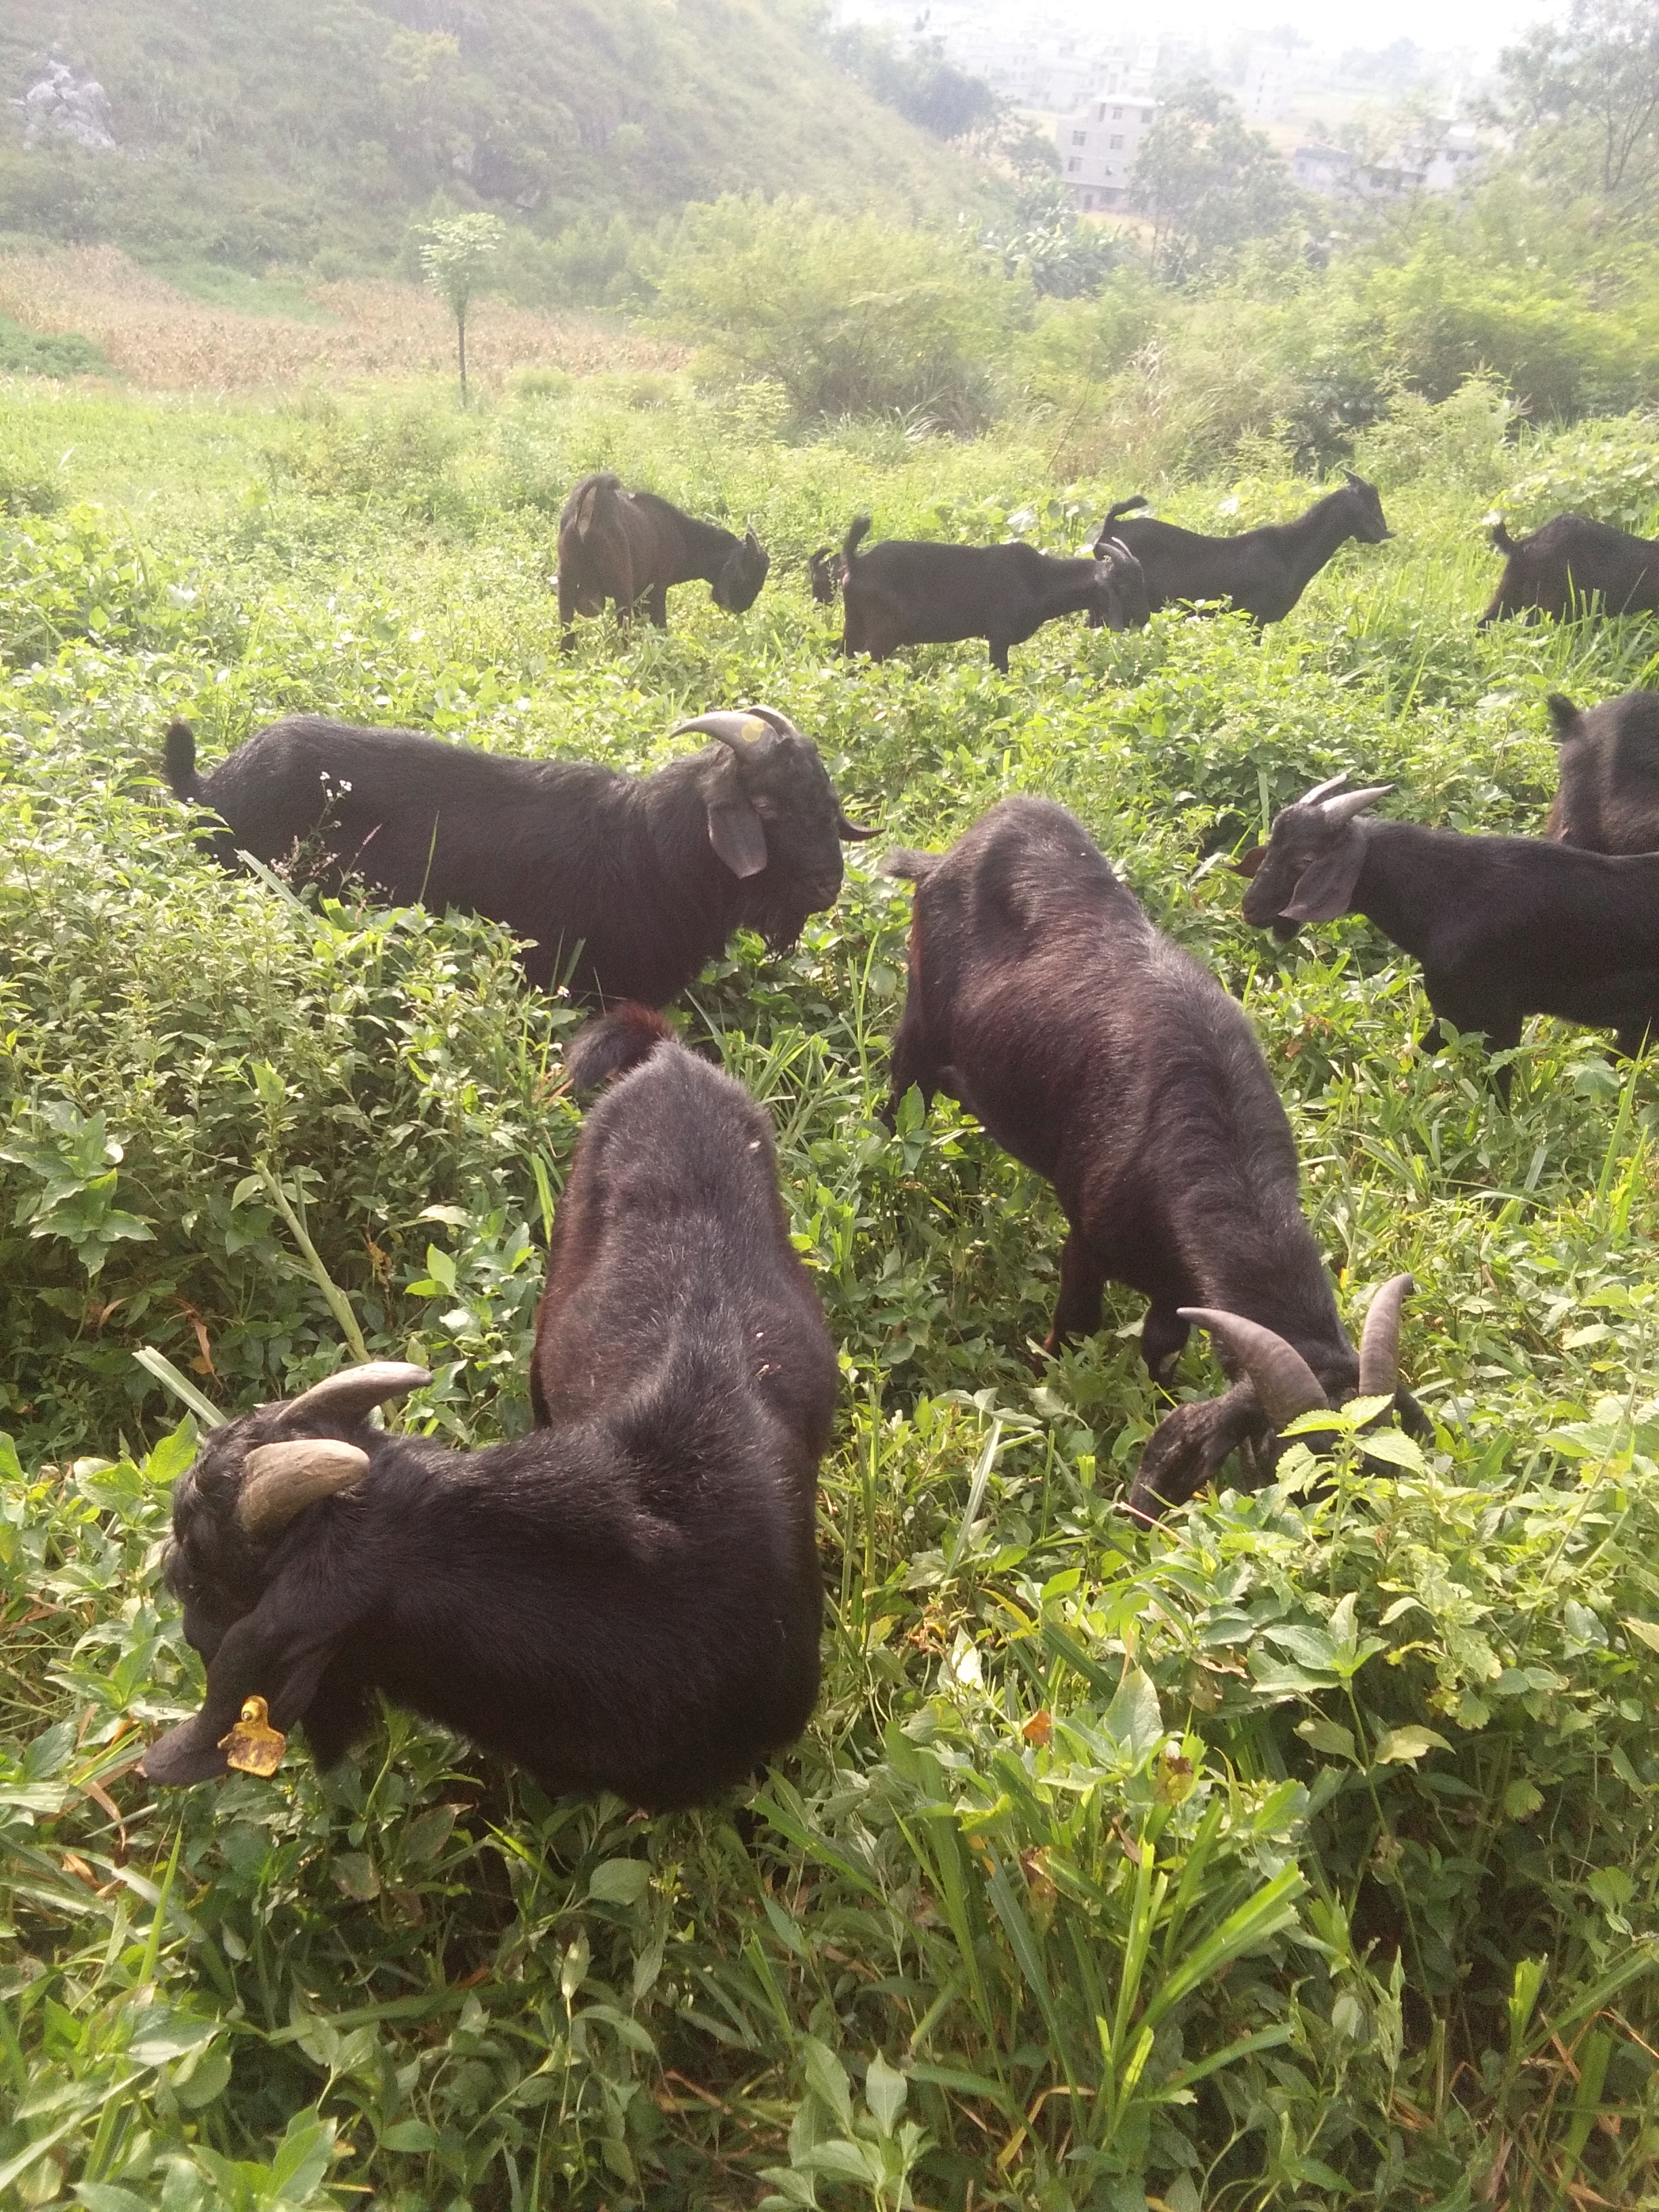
(29,353)
(1299,1854)
(292,133)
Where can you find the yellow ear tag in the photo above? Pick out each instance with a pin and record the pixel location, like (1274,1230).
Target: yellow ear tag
(754,726)
(254,1747)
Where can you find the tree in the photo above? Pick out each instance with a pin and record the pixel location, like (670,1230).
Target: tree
(455,250)
(1584,102)
(1207,181)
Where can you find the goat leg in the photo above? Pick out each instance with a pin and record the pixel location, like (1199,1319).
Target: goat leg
(1082,1278)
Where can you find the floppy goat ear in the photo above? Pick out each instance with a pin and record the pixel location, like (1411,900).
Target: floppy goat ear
(1325,887)
(279,1652)
(1248,863)
(735,830)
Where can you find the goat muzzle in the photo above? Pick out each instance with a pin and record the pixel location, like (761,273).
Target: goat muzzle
(1281,1377)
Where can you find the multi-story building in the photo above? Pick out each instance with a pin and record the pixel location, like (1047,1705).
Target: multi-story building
(1098,144)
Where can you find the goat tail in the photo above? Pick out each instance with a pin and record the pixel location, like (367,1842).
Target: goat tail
(909,865)
(1501,542)
(854,538)
(178,763)
(612,1043)
(1124,507)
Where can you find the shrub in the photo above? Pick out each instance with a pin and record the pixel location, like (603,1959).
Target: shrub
(848,315)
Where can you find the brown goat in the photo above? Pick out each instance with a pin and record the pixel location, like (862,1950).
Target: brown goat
(631,547)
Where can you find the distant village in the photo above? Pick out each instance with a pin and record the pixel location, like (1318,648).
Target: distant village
(1397,120)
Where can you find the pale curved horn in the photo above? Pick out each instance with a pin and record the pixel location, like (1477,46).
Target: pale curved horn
(1379,1343)
(743,731)
(349,1395)
(1321,790)
(1282,1380)
(280,1480)
(1347,803)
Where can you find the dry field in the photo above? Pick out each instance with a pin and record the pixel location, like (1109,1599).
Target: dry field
(163,340)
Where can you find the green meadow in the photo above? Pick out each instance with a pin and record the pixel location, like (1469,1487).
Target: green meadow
(1297,1853)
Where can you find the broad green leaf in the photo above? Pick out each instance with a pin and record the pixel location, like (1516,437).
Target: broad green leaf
(1407,1744)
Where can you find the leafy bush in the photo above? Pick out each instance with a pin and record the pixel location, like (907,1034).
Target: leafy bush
(848,315)
(31,353)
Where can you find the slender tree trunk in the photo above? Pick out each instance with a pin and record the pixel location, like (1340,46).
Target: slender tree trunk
(460,341)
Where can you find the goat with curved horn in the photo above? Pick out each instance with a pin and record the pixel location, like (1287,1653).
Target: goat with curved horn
(355,1391)
(1281,1377)
(1379,1344)
(1346,803)
(280,1480)
(741,728)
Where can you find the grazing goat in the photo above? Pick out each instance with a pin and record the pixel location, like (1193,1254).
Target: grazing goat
(627,1598)
(631,882)
(909,592)
(630,546)
(1608,798)
(1502,927)
(1262,572)
(1108,1060)
(1561,568)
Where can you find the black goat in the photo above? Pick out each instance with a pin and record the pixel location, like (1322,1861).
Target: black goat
(626,1599)
(631,547)
(633,882)
(1570,564)
(1607,800)
(1108,1060)
(1262,572)
(1504,926)
(909,591)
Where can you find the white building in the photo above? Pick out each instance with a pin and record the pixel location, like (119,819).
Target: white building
(1097,146)
(1439,165)
(1269,82)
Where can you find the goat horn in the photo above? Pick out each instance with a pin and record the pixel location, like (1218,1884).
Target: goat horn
(349,1395)
(1379,1343)
(1347,803)
(850,834)
(1284,1382)
(280,1480)
(743,731)
(1321,790)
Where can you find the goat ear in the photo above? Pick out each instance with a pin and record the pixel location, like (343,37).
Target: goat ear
(280,1651)
(1248,863)
(738,836)
(1562,713)
(1325,887)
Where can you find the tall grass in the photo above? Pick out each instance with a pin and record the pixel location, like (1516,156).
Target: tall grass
(1299,1853)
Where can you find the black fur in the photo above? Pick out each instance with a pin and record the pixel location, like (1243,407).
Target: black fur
(1261,572)
(626,1599)
(615,878)
(1108,1059)
(1572,567)
(911,591)
(1504,926)
(1608,798)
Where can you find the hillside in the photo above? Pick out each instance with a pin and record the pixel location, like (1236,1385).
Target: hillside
(299,132)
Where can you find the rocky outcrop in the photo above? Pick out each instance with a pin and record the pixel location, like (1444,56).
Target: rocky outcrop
(60,104)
